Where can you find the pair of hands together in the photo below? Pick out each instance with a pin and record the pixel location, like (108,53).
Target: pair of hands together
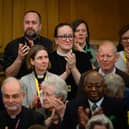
(71,62)
(85,114)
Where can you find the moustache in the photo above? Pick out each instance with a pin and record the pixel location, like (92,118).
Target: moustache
(12,107)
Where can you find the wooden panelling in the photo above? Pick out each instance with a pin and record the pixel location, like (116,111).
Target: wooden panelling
(7,23)
(41,7)
(18,11)
(1,23)
(104,18)
(52,16)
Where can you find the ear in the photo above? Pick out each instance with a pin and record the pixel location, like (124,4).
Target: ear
(56,41)
(40,27)
(31,61)
(117,56)
(97,57)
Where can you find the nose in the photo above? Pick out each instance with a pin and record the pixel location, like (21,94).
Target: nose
(10,99)
(93,88)
(30,24)
(105,58)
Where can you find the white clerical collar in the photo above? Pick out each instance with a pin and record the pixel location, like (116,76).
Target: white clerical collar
(98,103)
(63,54)
(104,74)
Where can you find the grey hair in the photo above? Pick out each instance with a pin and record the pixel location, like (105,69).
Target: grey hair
(59,86)
(114,83)
(99,119)
(8,79)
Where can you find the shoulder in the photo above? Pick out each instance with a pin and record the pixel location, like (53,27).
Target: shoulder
(45,39)
(15,42)
(35,116)
(113,102)
(27,76)
(52,75)
(81,54)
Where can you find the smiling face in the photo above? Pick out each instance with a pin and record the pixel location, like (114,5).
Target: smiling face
(64,39)
(107,57)
(125,40)
(40,62)
(94,86)
(12,97)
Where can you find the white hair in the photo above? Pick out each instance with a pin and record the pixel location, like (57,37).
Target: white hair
(59,86)
(99,119)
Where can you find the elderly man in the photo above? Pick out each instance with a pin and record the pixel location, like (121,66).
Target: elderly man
(15,116)
(16,51)
(95,102)
(107,56)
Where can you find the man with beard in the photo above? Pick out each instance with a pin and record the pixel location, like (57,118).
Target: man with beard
(15,116)
(16,51)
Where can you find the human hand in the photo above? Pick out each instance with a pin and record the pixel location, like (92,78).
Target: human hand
(98,111)
(78,46)
(71,60)
(34,102)
(23,50)
(83,115)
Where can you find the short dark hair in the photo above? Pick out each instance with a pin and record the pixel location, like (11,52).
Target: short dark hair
(34,11)
(123,30)
(76,23)
(59,26)
(84,76)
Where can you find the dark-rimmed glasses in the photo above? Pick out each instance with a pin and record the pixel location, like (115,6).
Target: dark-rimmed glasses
(65,37)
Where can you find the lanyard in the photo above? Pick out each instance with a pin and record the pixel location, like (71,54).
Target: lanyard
(124,58)
(38,88)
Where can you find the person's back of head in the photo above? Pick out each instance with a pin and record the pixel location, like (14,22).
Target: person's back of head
(37,126)
(100,121)
(115,85)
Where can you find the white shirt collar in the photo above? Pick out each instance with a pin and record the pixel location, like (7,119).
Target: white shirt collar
(63,54)
(104,74)
(98,103)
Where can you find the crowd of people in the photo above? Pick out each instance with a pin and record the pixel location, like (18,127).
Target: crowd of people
(75,86)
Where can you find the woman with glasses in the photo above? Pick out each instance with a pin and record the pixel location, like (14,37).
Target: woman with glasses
(123,62)
(38,63)
(67,63)
(81,40)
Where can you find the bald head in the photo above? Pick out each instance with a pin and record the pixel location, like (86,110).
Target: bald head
(107,56)
(11,82)
(107,44)
(12,96)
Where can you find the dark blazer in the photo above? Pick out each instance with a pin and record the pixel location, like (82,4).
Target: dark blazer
(124,75)
(111,108)
(23,120)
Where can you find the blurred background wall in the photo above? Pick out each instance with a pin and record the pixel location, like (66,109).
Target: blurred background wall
(104,17)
